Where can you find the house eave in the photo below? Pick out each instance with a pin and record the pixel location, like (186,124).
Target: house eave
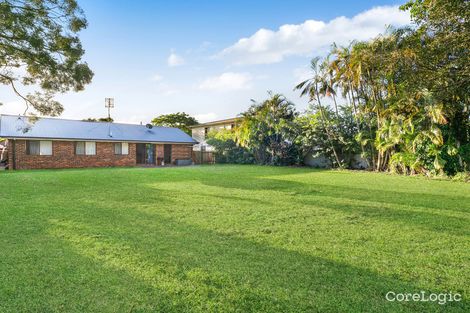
(99,140)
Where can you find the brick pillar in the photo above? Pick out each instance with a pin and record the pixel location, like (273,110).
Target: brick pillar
(11,154)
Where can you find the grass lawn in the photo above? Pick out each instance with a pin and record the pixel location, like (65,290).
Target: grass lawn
(230,239)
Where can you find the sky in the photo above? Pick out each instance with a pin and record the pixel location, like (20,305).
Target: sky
(207,58)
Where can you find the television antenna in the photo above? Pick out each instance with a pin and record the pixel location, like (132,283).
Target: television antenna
(109,103)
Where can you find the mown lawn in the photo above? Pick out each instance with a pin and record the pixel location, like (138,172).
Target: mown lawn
(230,239)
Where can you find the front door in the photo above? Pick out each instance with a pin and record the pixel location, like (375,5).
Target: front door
(167,154)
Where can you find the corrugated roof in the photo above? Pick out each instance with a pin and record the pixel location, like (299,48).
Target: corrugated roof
(12,126)
(226,121)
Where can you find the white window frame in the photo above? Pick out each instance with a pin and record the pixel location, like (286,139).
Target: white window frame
(90,148)
(28,147)
(45,147)
(124,148)
(76,147)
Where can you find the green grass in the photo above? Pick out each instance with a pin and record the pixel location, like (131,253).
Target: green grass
(230,239)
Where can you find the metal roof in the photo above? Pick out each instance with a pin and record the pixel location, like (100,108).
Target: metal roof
(12,126)
(226,121)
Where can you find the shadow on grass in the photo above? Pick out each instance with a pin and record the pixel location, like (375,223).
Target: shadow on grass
(434,201)
(412,209)
(122,231)
(197,270)
(415,217)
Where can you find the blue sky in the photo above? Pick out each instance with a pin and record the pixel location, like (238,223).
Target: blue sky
(158,57)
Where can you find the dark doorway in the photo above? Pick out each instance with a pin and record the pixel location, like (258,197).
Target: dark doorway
(145,153)
(167,154)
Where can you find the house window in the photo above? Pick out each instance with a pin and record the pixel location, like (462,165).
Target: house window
(85,148)
(206,131)
(80,148)
(121,148)
(232,126)
(39,147)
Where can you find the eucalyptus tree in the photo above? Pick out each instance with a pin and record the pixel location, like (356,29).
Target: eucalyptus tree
(39,46)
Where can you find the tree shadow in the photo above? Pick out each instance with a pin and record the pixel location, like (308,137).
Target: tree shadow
(133,235)
(429,200)
(423,210)
(200,270)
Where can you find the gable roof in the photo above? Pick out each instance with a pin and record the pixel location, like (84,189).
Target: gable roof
(12,126)
(219,122)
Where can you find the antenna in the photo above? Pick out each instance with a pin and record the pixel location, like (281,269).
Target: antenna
(109,103)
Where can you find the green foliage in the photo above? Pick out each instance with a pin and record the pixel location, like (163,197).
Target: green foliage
(409,92)
(462,177)
(314,139)
(226,148)
(179,120)
(40,37)
(405,163)
(268,130)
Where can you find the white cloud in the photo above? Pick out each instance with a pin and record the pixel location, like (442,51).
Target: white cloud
(206,117)
(175,60)
(268,46)
(227,81)
(157,77)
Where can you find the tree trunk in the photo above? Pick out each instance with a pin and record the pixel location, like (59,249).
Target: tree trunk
(328,135)
(336,105)
(358,125)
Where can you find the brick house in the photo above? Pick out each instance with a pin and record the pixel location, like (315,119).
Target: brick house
(60,143)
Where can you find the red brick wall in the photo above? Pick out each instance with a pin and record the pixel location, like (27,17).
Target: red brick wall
(9,156)
(177,152)
(181,152)
(159,154)
(63,156)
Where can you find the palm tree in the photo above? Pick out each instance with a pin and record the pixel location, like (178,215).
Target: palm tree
(312,87)
(348,77)
(327,86)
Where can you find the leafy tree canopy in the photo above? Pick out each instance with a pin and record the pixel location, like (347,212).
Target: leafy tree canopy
(269,130)
(100,119)
(179,120)
(39,46)
(408,92)
(226,149)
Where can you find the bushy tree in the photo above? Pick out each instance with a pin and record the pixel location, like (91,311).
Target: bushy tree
(39,46)
(409,90)
(179,120)
(313,138)
(226,148)
(268,129)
